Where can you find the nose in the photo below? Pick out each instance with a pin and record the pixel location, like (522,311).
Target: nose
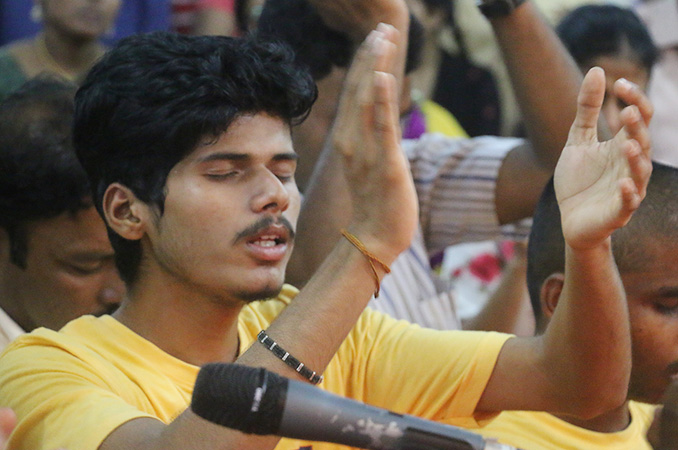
(113,290)
(270,193)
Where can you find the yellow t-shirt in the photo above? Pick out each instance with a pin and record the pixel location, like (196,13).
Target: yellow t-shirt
(440,120)
(542,431)
(73,387)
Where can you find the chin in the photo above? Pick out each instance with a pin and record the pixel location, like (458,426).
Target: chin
(260,294)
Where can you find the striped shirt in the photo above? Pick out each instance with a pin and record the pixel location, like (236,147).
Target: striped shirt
(455,180)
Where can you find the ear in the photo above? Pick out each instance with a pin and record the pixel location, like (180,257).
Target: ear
(550,293)
(125,213)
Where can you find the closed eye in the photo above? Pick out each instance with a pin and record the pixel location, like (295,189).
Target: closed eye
(667,304)
(285,178)
(84,269)
(222,175)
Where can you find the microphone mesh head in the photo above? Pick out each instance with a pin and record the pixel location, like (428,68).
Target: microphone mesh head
(248,399)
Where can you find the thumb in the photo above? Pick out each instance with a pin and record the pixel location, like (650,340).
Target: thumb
(591,95)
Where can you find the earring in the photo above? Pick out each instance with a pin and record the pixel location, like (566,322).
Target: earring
(36,13)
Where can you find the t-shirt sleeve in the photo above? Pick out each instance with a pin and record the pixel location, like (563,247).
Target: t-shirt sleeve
(59,400)
(438,375)
(456,181)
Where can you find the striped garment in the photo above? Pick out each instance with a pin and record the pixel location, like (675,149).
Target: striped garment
(455,180)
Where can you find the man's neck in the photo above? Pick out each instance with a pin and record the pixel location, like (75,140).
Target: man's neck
(182,322)
(611,422)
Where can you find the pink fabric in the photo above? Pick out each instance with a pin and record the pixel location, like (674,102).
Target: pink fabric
(226,5)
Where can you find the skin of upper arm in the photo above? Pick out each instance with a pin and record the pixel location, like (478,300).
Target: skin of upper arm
(507,388)
(186,431)
(520,182)
(132,434)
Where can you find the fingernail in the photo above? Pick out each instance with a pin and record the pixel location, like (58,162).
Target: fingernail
(382,27)
(626,83)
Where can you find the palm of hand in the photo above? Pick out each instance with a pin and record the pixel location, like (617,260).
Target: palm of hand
(589,181)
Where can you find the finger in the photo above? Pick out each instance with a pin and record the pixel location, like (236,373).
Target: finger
(640,167)
(391,35)
(635,128)
(356,95)
(630,200)
(631,94)
(361,68)
(591,94)
(386,113)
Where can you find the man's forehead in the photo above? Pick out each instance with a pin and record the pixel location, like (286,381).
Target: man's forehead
(246,137)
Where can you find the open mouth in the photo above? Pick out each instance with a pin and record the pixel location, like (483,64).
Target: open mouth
(268,241)
(269,244)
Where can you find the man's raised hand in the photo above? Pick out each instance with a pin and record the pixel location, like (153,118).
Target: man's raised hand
(600,184)
(366,134)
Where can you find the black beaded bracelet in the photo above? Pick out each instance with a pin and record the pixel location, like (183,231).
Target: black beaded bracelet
(288,359)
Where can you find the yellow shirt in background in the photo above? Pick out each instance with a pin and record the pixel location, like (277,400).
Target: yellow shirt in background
(73,387)
(542,431)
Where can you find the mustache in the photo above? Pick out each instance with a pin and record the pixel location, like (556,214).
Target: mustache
(264,223)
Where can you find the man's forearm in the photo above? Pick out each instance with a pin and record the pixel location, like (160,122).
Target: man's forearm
(544,77)
(587,342)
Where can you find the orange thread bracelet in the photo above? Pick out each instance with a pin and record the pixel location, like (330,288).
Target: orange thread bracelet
(371,258)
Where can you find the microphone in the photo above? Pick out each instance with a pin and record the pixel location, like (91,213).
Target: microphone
(257,401)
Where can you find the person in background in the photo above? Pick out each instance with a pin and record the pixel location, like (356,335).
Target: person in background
(615,39)
(56,262)
(68,44)
(606,36)
(646,254)
(420,115)
(20,19)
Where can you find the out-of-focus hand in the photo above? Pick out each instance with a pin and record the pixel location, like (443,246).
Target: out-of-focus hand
(7,424)
(600,184)
(358,18)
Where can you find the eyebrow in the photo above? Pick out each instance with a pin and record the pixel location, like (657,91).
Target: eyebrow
(289,156)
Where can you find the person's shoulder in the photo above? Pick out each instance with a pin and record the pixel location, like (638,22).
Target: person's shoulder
(76,333)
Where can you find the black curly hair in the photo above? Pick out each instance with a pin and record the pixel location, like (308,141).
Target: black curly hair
(591,31)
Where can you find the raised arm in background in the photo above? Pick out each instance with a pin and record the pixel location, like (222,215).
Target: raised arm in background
(547,81)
